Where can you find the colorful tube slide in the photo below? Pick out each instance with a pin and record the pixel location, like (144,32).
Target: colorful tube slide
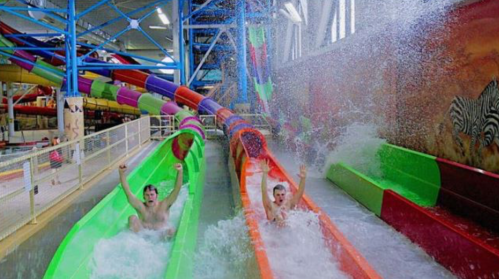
(245,143)
(449,209)
(14,73)
(28,97)
(99,89)
(109,217)
(89,104)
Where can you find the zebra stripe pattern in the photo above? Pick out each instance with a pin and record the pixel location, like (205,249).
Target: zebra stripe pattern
(474,117)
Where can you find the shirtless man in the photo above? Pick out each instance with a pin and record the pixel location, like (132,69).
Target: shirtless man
(152,214)
(276,210)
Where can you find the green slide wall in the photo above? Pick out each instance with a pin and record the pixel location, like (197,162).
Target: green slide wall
(110,215)
(413,175)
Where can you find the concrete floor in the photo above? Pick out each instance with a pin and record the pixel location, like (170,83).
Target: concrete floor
(31,258)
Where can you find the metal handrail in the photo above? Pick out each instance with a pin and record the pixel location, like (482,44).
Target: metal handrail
(40,175)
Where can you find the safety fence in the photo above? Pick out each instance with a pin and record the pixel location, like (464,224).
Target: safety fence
(165,125)
(31,184)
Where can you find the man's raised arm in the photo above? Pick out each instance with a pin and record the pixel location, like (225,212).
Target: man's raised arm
(301,188)
(129,195)
(265,195)
(172,197)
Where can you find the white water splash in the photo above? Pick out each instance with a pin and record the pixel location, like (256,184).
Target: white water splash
(225,251)
(358,147)
(297,250)
(136,255)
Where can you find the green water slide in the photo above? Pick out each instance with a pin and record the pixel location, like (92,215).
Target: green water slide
(109,217)
(411,174)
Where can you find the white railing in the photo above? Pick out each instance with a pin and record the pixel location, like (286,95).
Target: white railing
(29,184)
(162,126)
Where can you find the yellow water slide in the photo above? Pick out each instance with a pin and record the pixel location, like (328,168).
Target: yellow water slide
(14,73)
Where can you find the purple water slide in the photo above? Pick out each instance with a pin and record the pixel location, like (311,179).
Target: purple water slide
(26,56)
(170,108)
(128,97)
(187,119)
(194,128)
(161,86)
(103,72)
(208,106)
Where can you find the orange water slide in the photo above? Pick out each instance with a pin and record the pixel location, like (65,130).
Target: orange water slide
(350,260)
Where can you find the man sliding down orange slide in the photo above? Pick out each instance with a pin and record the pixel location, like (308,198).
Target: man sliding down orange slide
(276,210)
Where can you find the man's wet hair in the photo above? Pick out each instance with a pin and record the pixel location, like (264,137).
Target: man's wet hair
(278,187)
(150,187)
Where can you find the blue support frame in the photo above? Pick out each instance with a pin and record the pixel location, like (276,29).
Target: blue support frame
(225,17)
(191,42)
(257,11)
(72,62)
(127,16)
(28,61)
(181,44)
(241,54)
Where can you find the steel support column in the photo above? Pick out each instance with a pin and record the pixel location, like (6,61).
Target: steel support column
(191,42)
(176,21)
(72,63)
(242,96)
(10,110)
(181,46)
(60,111)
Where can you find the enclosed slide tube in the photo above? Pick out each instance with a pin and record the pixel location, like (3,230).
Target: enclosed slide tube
(248,143)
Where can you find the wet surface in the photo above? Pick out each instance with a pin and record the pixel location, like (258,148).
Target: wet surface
(32,257)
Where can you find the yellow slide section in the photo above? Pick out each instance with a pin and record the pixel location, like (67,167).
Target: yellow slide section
(14,73)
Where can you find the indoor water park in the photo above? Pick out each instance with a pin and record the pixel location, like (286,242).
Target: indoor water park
(249,139)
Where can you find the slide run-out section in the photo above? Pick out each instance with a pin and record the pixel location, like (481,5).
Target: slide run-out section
(449,209)
(246,151)
(109,217)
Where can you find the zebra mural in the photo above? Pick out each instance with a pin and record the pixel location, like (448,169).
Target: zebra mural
(476,118)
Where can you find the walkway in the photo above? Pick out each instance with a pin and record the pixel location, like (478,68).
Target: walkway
(31,258)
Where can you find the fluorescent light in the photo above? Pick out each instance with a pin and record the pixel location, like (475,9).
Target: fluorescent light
(162,16)
(304,9)
(293,12)
(166,71)
(286,14)
(157,27)
(164,19)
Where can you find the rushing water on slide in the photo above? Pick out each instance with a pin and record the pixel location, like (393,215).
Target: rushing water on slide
(390,253)
(137,255)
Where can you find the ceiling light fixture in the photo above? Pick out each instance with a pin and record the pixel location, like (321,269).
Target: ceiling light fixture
(293,13)
(163,16)
(157,27)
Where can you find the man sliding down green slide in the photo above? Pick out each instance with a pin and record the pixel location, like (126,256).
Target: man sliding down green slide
(101,245)
(152,215)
